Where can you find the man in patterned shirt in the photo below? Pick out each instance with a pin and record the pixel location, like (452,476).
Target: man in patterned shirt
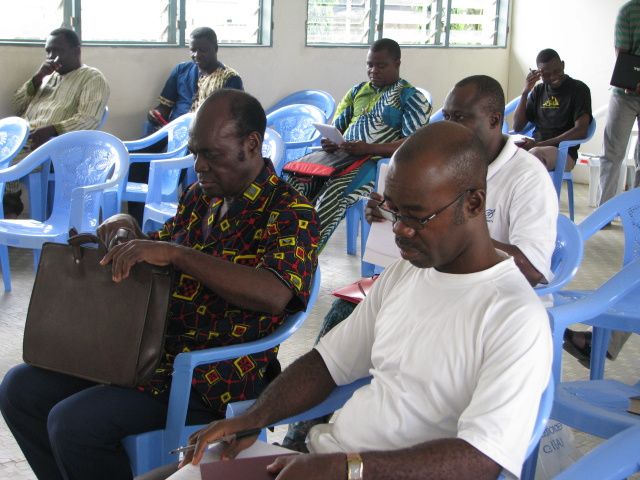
(375,117)
(63,95)
(243,245)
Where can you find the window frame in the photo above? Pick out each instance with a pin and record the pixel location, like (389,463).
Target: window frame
(377,32)
(177,36)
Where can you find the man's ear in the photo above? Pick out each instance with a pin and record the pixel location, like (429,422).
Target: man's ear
(476,201)
(496,119)
(254,143)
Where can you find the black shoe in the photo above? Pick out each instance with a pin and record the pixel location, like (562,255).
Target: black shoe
(582,354)
(12,205)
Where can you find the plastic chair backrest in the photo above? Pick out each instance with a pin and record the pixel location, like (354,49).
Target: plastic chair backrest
(626,206)
(273,148)
(176,132)
(318,98)
(294,123)
(566,258)
(80,159)
(14,132)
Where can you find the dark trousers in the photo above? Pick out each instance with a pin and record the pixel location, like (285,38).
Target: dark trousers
(69,428)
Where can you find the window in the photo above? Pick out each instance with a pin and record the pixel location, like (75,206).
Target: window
(409,22)
(166,22)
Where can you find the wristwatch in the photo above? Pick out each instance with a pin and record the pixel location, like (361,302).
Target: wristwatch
(355,467)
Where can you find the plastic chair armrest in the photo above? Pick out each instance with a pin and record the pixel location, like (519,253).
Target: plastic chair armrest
(147,157)
(155,137)
(23,168)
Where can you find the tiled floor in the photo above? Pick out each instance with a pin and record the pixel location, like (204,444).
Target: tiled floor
(603,255)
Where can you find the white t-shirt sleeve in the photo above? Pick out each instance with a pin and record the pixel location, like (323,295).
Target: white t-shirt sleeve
(533,217)
(346,349)
(515,371)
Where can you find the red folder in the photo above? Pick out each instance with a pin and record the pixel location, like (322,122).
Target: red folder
(356,291)
(254,468)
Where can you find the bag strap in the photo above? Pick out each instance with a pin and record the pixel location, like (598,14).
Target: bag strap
(77,241)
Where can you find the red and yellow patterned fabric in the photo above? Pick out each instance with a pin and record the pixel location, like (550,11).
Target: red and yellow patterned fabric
(272,227)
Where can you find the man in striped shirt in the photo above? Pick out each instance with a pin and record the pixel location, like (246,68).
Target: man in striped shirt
(63,95)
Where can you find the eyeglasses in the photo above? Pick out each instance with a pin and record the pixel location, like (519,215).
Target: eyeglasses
(416,223)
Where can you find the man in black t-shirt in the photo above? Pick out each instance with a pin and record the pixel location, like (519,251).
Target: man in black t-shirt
(559,107)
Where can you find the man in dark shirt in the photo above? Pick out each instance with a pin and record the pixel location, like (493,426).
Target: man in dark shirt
(559,107)
(243,245)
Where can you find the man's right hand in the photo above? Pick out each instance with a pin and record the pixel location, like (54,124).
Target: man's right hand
(47,68)
(532,78)
(372,212)
(109,228)
(215,431)
(328,145)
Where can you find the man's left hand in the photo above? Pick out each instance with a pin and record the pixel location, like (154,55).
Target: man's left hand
(310,467)
(124,256)
(356,147)
(42,135)
(526,143)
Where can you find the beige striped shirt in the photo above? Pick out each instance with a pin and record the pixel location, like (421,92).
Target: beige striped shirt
(207,84)
(73,101)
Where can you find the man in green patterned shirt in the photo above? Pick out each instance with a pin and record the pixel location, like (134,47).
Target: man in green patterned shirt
(375,118)
(63,95)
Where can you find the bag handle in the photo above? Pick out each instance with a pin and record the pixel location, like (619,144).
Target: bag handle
(77,240)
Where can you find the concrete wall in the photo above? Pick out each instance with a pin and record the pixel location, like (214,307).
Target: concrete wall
(136,75)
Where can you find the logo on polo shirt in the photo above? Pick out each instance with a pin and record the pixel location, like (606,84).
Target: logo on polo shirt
(551,102)
(489,214)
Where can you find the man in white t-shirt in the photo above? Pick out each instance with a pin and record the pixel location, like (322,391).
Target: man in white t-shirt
(455,339)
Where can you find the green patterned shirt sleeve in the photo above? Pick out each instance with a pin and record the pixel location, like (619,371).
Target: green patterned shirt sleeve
(344,111)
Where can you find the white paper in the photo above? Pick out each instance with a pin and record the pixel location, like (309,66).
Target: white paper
(330,132)
(381,248)
(258,449)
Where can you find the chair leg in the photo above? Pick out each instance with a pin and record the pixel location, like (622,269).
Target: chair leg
(570,197)
(529,467)
(6,268)
(599,344)
(36,259)
(353,220)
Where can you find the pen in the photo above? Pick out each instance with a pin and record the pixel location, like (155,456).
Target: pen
(227,439)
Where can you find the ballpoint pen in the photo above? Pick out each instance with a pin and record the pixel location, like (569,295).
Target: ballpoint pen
(227,439)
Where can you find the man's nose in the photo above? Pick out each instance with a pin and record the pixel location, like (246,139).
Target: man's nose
(401,230)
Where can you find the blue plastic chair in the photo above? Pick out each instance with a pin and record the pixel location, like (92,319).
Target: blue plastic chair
(177,135)
(615,459)
(626,207)
(273,147)
(341,394)
(164,176)
(14,132)
(597,407)
(151,449)
(104,118)
(436,117)
(85,163)
(294,123)
(318,98)
(558,175)
(567,256)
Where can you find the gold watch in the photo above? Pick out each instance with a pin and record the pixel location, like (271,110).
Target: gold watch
(355,467)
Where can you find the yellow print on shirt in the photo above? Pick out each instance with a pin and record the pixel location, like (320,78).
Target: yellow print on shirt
(551,102)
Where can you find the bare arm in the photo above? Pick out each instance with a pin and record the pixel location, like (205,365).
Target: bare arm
(532,275)
(439,459)
(520,115)
(578,132)
(308,377)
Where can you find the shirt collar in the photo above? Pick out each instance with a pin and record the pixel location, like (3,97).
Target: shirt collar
(507,153)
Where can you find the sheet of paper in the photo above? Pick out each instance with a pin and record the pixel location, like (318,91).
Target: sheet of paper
(381,248)
(258,449)
(330,132)
(254,468)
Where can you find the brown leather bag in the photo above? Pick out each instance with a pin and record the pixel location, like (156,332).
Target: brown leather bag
(81,323)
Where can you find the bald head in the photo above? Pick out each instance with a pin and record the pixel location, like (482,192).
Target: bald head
(447,151)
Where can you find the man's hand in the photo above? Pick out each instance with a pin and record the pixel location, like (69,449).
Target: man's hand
(372,212)
(215,431)
(109,228)
(526,143)
(328,146)
(310,467)
(356,147)
(124,256)
(47,68)
(42,135)
(530,81)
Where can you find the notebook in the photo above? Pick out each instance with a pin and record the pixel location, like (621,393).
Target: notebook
(626,73)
